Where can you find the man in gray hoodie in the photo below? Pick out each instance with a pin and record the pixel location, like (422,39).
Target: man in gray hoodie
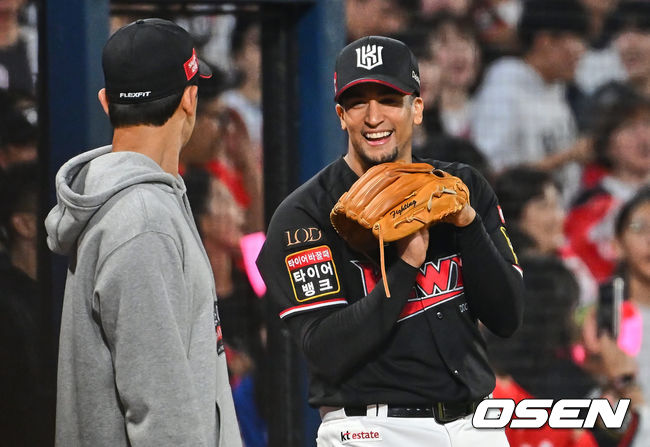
(141,360)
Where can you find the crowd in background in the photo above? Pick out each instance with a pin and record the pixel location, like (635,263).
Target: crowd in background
(548,99)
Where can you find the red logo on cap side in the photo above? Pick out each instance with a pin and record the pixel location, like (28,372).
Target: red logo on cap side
(191,66)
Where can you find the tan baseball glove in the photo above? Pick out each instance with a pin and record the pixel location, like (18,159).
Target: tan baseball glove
(393,200)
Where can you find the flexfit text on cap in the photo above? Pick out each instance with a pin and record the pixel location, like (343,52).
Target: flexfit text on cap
(377,59)
(149,59)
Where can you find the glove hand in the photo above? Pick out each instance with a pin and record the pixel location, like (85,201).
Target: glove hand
(413,248)
(461,218)
(392,201)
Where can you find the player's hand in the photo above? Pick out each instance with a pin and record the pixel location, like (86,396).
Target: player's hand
(463,217)
(413,248)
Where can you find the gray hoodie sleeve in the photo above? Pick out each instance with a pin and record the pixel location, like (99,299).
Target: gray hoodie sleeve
(146,315)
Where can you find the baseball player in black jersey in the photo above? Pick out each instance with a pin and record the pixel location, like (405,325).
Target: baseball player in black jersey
(407,370)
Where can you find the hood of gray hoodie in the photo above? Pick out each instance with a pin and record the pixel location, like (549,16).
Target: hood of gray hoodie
(87,181)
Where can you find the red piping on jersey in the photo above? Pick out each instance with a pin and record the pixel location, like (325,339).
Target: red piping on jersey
(311,306)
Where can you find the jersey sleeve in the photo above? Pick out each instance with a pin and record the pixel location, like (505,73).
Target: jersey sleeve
(487,206)
(298,265)
(493,278)
(319,315)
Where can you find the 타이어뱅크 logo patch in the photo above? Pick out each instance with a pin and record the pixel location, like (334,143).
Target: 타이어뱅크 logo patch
(312,273)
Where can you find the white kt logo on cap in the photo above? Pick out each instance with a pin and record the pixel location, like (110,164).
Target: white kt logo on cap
(369,56)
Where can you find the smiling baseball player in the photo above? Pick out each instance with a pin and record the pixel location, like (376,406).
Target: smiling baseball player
(408,369)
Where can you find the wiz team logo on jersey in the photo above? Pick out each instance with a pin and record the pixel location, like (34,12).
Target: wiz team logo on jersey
(369,56)
(435,283)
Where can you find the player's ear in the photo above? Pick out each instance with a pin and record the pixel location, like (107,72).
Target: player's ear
(418,108)
(101,95)
(340,111)
(189,100)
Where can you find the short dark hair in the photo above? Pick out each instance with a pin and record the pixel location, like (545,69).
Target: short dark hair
(18,194)
(629,15)
(463,24)
(16,130)
(152,113)
(611,116)
(515,187)
(554,16)
(623,218)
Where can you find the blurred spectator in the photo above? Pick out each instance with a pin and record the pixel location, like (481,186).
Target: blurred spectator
(454,50)
(221,144)
(458,8)
(622,147)
(220,222)
(18,56)
(530,365)
(246,98)
(24,399)
(601,62)
(377,17)
(496,24)
(449,62)
(445,148)
(633,244)
(521,114)
(18,138)
(531,203)
(631,27)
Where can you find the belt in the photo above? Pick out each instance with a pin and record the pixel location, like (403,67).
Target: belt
(443,412)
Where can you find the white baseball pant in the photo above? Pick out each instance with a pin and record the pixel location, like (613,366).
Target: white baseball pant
(339,430)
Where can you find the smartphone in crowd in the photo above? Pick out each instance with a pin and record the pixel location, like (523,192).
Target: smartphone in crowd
(610,302)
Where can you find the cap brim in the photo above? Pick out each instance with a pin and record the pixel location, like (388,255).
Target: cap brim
(204,70)
(383,80)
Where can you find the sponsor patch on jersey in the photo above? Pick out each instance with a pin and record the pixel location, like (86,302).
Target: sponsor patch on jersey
(297,237)
(360,434)
(313,273)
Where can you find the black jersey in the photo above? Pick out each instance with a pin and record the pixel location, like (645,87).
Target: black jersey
(423,344)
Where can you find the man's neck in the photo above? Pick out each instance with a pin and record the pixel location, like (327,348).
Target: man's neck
(161,144)
(630,177)
(453,98)
(538,64)
(359,167)
(251,91)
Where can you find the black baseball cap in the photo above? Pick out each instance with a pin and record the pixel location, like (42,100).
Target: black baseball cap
(377,59)
(150,59)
